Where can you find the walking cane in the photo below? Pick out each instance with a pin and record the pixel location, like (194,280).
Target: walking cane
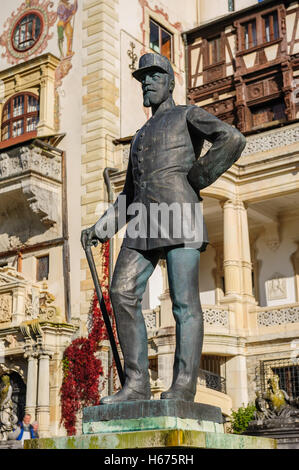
(106,318)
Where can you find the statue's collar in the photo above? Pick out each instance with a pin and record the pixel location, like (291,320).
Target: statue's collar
(165,106)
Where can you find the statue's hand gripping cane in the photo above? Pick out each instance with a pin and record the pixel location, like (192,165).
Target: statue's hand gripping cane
(89,239)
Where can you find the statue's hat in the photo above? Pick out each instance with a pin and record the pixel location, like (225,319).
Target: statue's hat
(153,61)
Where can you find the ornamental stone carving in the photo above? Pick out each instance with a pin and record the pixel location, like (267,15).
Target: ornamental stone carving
(36,302)
(268,141)
(150,318)
(24,159)
(31,175)
(215,316)
(279,316)
(5,307)
(126,153)
(276,287)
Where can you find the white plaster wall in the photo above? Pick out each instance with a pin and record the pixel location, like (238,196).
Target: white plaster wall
(209,10)
(70,97)
(133,20)
(240,4)
(278,261)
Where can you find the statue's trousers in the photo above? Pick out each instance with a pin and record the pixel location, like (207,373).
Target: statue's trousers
(132,271)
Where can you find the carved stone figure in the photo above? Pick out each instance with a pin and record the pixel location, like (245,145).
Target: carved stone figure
(164,171)
(276,397)
(262,408)
(8,418)
(5,307)
(275,404)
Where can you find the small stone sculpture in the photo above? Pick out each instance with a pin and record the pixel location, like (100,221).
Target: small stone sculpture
(274,403)
(278,399)
(8,418)
(262,408)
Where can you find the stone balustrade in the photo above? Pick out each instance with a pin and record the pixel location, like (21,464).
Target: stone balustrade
(214,316)
(267,140)
(278,315)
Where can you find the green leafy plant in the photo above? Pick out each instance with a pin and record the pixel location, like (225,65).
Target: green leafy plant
(241,418)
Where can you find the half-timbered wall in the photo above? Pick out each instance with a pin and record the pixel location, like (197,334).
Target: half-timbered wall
(244,68)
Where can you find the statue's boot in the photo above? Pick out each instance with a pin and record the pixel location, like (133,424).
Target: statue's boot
(183,269)
(186,362)
(130,276)
(128,394)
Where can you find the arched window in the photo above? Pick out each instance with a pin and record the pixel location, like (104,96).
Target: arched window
(20,116)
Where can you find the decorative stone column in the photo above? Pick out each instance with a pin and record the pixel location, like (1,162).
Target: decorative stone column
(166,317)
(295,262)
(231,249)
(245,252)
(237,259)
(47,98)
(31,387)
(164,341)
(43,398)
(236,380)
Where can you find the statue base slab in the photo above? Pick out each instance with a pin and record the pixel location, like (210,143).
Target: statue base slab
(284,430)
(154,439)
(10,445)
(152,414)
(152,424)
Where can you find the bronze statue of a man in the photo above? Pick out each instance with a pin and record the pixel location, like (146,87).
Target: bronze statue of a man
(164,169)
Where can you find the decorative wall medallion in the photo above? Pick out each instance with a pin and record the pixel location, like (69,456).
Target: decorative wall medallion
(277,287)
(26,32)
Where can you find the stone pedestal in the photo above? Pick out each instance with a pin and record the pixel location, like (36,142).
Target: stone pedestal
(10,445)
(152,424)
(152,415)
(284,430)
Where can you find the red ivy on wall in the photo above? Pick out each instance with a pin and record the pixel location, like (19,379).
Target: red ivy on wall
(81,368)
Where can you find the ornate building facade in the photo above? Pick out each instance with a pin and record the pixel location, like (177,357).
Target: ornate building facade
(69,108)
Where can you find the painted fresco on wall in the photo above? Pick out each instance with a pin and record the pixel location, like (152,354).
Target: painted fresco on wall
(66,12)
(65,26)
(27,31)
